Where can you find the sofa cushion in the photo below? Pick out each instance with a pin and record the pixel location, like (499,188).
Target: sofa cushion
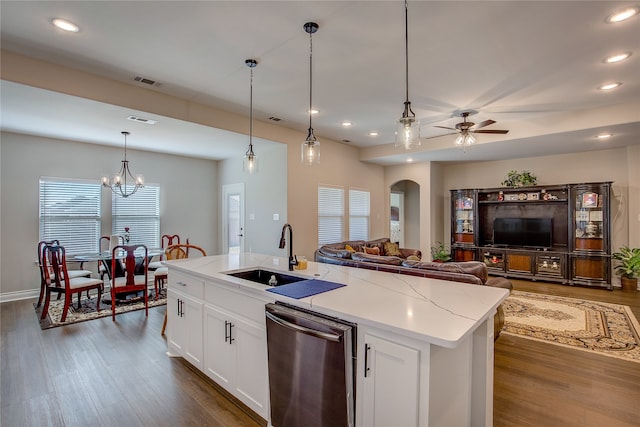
(371,250)
(336,253)
(379,243)
(379,259)
(349,248)
(474,268)
(392,249)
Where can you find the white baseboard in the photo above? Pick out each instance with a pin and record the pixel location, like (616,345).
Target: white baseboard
(19,295)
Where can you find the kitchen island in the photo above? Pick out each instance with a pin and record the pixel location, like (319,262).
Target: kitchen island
(424,346)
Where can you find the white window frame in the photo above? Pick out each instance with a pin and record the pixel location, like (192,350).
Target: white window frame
(141,213)
(359,214)
(70,211)
(330,214)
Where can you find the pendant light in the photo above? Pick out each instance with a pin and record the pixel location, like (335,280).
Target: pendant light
(124,178)
(250,162)
(407,127)
(311,145)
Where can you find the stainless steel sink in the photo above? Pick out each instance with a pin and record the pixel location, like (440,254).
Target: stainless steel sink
(266,277)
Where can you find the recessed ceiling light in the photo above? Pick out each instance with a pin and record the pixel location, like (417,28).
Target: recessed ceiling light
(617,58)
(622,15)
(409,160)
(65,25)
(604,136)
(346,123)
(610,86)
(374,133)
(313,111)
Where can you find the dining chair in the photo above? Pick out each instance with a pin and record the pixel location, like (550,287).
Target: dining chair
(57,279)
(165,241)
(135,261)
(180,251)
(72,273)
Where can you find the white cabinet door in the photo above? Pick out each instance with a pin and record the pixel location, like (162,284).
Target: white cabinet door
(236,358)
(391,384)
(184,326)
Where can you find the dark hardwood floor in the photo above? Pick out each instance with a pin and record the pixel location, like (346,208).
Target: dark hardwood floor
(102,373)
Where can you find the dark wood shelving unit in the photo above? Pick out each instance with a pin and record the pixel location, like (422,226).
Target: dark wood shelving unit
(580,253)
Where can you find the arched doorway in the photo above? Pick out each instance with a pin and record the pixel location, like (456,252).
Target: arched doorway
(404,224)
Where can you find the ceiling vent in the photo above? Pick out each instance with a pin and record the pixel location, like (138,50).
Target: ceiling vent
(142,120)
(146,81)
(275,119)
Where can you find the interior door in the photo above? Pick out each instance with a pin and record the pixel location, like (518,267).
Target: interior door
(233,218)
(397,218)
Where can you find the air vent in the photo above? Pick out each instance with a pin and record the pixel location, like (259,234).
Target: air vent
(146,81)
(275,119)
(346,141)
(142,120)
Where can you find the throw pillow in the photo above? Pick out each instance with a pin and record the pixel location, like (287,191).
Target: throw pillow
(413,258)
(392,249)
(349,248)
(372,251)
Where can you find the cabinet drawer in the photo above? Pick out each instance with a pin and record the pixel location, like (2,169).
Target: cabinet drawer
(235,302)
(186,284)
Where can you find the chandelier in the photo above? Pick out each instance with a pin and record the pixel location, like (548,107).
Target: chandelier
(250,161)
(123,180)
(311,145)
(407,127)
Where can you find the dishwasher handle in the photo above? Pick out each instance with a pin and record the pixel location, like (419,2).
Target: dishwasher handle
(312,332)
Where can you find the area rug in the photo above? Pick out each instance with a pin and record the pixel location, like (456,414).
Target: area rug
(608,329)
(87,310)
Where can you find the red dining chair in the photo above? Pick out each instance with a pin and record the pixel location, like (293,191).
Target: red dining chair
(135,260)
(57,279)
(72,273)
(103,245)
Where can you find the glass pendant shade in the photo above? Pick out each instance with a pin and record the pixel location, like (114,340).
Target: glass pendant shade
(250,163)
(408,133)
(311,150)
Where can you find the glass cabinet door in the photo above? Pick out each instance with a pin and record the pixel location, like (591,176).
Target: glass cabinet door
(463,217)
(590,217)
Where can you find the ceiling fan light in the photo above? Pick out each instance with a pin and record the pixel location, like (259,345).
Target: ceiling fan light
(460,140)
(470,139)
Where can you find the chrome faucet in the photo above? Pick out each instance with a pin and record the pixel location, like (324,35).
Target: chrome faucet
(293,260)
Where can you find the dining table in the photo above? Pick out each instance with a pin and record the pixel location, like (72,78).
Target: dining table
(105,258)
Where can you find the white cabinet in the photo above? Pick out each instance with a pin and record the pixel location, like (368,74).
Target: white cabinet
(390,383)
(235,356)
(184,318)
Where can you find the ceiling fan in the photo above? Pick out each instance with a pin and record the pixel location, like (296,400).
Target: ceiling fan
(465,131)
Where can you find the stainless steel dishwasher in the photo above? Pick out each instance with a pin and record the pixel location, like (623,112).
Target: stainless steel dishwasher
(311,368)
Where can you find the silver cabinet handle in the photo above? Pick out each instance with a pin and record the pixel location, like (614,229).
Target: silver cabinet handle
(181,284)
(312,332)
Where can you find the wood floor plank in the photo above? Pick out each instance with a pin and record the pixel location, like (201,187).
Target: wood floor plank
(118,374)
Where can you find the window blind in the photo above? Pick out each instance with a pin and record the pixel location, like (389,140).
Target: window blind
(359,213)
(141,213)
(330,215)
(69,211)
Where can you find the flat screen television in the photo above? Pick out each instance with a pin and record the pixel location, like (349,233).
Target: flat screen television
(523,232)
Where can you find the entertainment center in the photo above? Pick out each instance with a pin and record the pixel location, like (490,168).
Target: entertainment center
(556,233)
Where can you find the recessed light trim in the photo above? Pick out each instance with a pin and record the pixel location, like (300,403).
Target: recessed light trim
(346,123)
(409,159)
(313,111)
(603,136)
(622,15)
(617,57)
(374,133)
(610,86)
(65,25)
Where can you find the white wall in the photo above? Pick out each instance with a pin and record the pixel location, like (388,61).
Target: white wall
(188,198)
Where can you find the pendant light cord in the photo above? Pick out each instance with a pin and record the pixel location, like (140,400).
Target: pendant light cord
(251,113)
(406,47)
(310,76)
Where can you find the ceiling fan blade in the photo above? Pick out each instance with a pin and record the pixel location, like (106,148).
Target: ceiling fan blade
(485,123)
(444,127)
(501,131)
(438,136)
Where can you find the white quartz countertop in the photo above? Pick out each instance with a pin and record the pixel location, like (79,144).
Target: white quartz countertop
(441,312)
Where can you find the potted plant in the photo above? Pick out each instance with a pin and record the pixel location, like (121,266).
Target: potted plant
(440,252)
(517,179)
(628,267)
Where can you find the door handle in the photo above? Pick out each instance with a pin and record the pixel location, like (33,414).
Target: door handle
(312,332)
(367,347)
(227,332)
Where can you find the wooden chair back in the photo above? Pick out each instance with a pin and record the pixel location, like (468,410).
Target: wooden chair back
(41,245)
(136,269)
(169,239)
(182,250)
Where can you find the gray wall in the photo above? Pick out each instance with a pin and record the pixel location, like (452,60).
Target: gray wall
(188,197)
